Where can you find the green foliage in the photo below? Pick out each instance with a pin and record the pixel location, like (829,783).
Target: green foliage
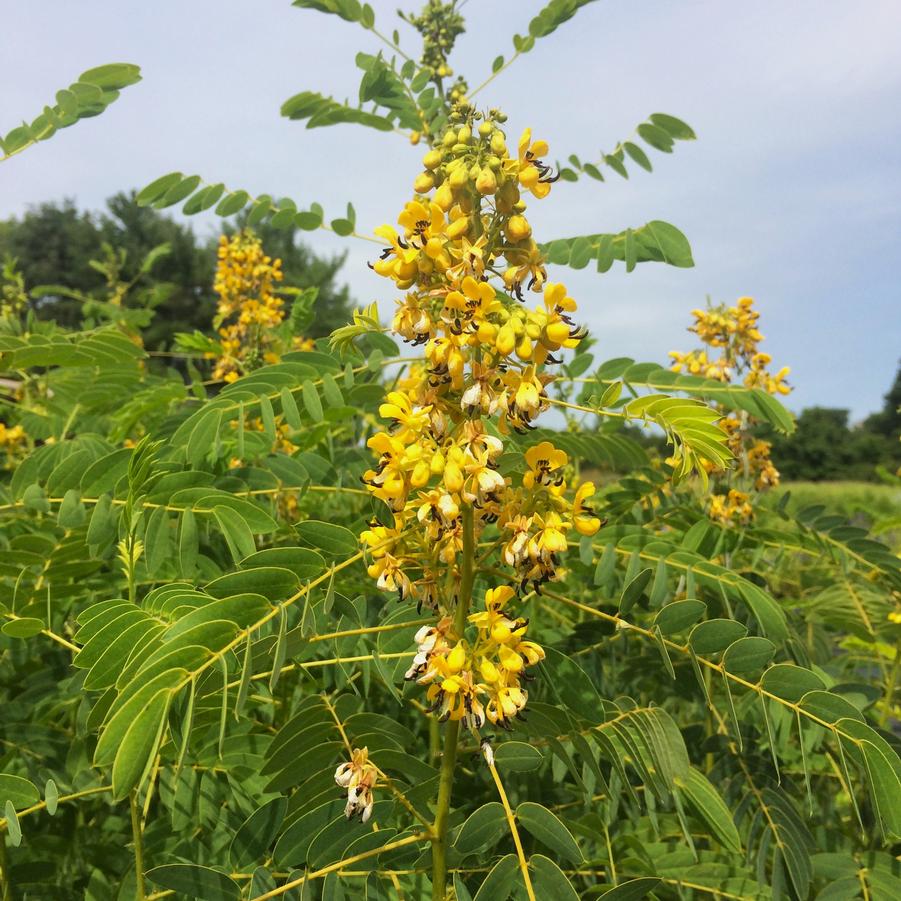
(857,501)
(660,132)
(89,96)
(656,241)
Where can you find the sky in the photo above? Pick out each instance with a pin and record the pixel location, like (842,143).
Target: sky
(791,194)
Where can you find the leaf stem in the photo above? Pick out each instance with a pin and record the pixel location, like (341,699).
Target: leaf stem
(341,864)
(388,41)
(494,75)
(514,832)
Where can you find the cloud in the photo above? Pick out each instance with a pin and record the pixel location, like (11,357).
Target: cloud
(790,194)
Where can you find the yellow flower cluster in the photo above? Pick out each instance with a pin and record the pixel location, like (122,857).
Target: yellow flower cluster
(731,509)
(249,310)
(479,681)
(13,296)
(14,442)
(481,376)
(245,282)
(733,330)
(752,453)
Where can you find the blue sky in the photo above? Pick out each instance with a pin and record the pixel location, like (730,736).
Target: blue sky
(791,194)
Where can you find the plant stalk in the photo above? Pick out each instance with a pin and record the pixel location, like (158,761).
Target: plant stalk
(5,882)
(452,729)
(138,842)
(892,684)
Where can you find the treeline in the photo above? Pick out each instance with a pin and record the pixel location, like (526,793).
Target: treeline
(60,247)
(826,448)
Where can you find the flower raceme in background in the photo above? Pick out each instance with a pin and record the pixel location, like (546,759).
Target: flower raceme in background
(249,309)
(731,339)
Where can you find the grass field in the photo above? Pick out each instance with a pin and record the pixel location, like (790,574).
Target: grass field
(870,504)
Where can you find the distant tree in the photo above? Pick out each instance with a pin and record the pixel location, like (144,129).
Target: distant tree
(824,447)
(888,420)
(187,268)
(54,244)
(817,448)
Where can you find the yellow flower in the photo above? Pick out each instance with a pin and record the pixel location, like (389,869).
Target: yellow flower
(408,421)
(544,462)
(533,174)
(584,520)
(470,257)
(483,371)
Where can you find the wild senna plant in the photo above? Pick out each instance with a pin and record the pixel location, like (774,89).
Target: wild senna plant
(466,258)
(578,692)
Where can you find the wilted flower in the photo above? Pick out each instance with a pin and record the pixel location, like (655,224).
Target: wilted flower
(358,776)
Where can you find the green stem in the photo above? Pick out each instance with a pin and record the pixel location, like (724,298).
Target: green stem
(890,689)
(708,723)
(132,588)
(445,787)
(452,733)
(5,881)
(138,842)
(494,75)
(434,740)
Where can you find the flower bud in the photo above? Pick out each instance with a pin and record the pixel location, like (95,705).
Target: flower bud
(486,129)
(464,135)
(458,227)
(432,160)
(444,197)
(557,332)
(487,333)
(506,339)
(459,177)
(518,228)
(456,658)
(486,183)
(424,183)
(524,348)
(453,476)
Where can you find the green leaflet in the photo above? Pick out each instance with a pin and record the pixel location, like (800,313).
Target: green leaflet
(482,829)
(549,830)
